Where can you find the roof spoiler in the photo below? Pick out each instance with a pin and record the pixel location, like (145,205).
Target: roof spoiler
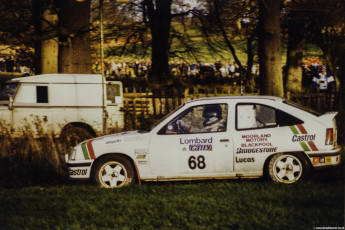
(328,117)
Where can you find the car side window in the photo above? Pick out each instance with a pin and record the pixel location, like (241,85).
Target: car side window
(199,119)
(285,119)
(255,116)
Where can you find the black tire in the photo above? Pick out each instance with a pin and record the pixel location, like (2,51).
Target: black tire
(113,171)
(288,168)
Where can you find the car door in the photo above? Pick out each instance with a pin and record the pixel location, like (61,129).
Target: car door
(189,146)
(258,137)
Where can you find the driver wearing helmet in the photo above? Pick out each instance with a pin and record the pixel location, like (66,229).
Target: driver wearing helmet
(213,120)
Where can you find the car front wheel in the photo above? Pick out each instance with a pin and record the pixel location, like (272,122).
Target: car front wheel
(288,168)
(113,172)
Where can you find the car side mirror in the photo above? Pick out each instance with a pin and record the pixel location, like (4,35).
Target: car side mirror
(10,103)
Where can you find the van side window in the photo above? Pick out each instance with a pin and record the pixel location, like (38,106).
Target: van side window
(255,116)
(42,94)
(113,90)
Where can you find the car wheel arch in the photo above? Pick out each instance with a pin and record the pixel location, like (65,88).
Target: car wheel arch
(134,165)
(300,154)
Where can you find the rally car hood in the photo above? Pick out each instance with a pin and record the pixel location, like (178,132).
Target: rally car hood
(115,136)
(118,142)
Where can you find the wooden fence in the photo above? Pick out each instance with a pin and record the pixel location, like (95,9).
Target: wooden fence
(321,102)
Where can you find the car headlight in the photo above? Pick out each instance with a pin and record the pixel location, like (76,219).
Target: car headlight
(72,155)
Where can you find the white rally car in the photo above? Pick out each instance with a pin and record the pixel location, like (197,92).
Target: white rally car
(227,137)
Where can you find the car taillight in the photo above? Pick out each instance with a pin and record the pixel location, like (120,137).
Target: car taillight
(329,136)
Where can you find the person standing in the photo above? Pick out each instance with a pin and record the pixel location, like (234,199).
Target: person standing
(323,81)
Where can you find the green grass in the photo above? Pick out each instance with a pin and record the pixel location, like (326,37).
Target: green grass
(220,204)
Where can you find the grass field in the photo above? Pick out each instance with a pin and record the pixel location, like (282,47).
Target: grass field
(219,204)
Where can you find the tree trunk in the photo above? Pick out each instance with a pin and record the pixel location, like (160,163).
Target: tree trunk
(295,56)
(159,15)
(269,48)
(37,12)
(74,49)
(49,47)
(250,62)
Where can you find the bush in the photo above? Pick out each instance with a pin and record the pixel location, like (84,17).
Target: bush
(31,158)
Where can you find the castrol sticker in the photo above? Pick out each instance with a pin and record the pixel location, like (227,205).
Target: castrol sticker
(301,135)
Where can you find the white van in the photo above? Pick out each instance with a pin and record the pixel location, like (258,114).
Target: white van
(58,102)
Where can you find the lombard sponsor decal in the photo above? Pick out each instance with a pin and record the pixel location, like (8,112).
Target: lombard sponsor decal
(255,143)
(301,135)
(77,172)
(197,144)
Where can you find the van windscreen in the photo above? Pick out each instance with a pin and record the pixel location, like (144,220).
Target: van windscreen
(8,91)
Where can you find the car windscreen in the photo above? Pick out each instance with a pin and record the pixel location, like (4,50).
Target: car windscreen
(302,107)
(161,120)
(8,91)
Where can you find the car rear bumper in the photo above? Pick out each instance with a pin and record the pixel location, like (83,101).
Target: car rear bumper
(326,159)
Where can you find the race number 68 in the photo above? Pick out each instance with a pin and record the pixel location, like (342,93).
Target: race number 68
(199,162)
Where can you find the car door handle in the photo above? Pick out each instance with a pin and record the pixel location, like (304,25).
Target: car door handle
(224,140)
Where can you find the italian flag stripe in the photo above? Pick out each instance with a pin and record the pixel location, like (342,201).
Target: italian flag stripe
(304,146)
(302,129)
(312,146)
(85,152)
(90,148)
(294,130)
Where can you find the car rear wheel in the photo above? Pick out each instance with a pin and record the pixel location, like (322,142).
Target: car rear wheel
(288,168)
(113,172)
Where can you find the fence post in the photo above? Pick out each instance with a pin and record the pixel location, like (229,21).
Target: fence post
(135,113)
(154,106)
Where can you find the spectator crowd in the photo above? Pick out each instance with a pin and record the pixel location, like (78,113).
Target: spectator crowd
(314,77)
(11,64)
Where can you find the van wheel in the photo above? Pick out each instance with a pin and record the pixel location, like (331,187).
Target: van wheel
(288,168)
(113,172)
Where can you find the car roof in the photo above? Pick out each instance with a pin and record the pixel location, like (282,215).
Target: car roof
(244,98)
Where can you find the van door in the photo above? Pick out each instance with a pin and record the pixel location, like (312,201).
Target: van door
(114,103)
(31,107)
